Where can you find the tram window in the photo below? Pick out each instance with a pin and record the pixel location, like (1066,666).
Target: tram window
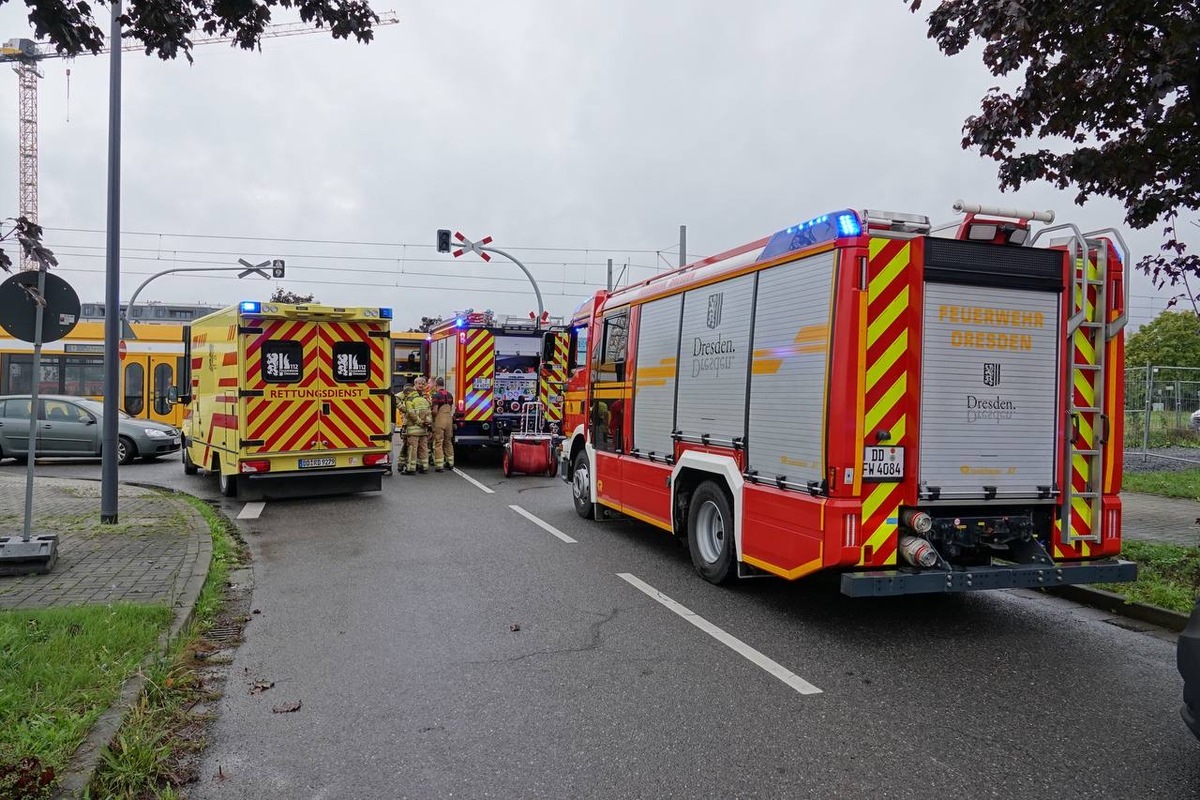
(134,389)
(83,377)
(162,386)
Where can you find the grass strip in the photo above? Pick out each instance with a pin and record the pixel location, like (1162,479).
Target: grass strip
(1168,575)
(160,737)
(60,668)
(1183,483)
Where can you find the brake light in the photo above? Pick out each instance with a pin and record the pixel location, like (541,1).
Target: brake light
(256,466)
(377,459)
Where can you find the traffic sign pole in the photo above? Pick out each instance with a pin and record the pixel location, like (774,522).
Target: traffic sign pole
(28,553)
(31,450)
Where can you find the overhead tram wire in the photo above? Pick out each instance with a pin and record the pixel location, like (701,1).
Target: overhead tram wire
(351,242)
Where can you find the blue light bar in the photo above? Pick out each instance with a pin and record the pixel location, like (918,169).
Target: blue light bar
(250,307)
(385,313)
(460,322)
(824,228)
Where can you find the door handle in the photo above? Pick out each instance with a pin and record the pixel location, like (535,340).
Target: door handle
(324,408)
(47,426)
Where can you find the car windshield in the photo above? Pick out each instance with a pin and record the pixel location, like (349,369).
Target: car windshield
(97,408)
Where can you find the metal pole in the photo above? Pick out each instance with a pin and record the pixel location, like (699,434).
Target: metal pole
(528,274)
(112,289)
(1146,423)
(610,275)
(127,314)
(682,245)
(31,452)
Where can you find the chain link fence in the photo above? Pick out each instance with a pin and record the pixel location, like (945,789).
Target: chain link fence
(1159,404)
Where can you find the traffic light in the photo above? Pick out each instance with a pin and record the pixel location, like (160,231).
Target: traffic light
(277,268)
(443,241)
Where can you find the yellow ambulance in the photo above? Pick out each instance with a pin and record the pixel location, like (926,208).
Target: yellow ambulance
(289,400)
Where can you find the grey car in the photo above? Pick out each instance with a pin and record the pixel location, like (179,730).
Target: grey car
(69,427)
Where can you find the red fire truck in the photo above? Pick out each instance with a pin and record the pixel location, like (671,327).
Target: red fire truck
(923,409)
(495,366)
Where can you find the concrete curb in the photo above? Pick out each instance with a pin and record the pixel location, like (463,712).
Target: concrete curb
(86,758)
(1109,601)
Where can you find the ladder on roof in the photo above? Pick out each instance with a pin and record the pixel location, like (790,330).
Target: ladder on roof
(1089,333)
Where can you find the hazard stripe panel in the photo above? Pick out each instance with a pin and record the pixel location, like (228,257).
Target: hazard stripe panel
(887,386)
(479,368)
(554,379)
(281,424)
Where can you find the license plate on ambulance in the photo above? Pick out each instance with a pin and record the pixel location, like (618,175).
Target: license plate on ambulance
(307,463)
(883,463)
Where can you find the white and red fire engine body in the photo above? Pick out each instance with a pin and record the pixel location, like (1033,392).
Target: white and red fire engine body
(923,410)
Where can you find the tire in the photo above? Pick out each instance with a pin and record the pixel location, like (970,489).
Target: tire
(506,463)
(710,533)
(189,467)
(581,486)
(126,450)
(228,484)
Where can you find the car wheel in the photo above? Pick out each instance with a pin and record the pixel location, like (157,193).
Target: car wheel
(126,450)
(710,533)
(581,486)
(228,484)
(189,467)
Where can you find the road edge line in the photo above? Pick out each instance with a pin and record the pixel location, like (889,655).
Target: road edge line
(546,526)
(768,664)
(471,480)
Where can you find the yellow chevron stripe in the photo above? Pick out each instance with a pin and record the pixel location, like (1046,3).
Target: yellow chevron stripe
(893,395)
(889,273)
(889,315)
(875,498)
(888,360)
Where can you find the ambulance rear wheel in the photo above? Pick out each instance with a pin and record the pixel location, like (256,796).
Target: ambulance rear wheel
(710,533)
(189,466)
(228,484)
(581,486)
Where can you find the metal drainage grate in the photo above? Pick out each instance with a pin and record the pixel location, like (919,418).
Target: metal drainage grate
(224,633)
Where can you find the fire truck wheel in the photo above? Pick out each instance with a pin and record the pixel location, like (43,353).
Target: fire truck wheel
(227,484)
(506,463)
(189,466)
(710,533)
(581,486)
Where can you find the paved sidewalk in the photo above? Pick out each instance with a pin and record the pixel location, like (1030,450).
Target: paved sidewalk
(160,544)
(1149,518)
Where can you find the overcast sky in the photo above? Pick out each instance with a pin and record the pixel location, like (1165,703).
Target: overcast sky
(569,131)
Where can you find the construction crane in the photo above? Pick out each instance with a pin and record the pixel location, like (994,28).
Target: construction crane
(25,55)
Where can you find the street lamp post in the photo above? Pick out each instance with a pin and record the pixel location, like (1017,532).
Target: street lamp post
(112,289)
(276,266)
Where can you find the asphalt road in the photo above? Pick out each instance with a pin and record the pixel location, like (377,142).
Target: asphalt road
(391,618)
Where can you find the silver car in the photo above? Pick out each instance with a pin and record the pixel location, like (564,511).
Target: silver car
(70,427)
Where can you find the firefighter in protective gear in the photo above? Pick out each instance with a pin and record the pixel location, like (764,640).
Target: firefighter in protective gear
(417,423)
(423,388)
(442,403)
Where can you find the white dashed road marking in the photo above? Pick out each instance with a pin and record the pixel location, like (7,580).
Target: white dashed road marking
(746,651)
(546,526)
(251,510)
(472,481)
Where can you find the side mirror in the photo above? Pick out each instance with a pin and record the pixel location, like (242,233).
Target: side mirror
(172,395)
(548,348)
(90,420)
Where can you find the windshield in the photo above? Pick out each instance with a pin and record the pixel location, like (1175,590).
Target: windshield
(97,408)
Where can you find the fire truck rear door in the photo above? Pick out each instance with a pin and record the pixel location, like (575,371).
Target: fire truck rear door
(991,353)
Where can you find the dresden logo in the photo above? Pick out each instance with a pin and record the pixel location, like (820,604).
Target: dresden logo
(714,309)
(991,374)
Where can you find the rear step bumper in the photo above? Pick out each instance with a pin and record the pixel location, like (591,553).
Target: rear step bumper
(906,580)
(277,486)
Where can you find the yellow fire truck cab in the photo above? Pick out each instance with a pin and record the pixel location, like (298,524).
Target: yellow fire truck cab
(289,400)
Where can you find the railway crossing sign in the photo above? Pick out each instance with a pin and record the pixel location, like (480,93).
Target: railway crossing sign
(474,247)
